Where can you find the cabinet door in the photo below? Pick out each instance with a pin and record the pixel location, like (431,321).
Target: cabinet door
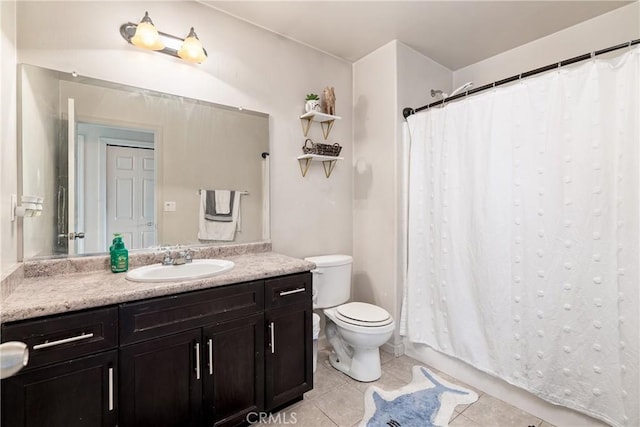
(289,354)
(80,392)
(161,381)
(233,370)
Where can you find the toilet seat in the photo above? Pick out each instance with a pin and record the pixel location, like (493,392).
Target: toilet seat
(356,326)
(363,314)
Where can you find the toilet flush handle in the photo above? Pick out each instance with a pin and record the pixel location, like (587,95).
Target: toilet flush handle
(316,271)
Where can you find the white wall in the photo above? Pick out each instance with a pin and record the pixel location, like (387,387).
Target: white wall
(8,159)
(375,189)
(417,75)
(247,67)
(618,26)
(388,79)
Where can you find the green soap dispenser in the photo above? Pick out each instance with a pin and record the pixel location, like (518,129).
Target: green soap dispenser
(119,255)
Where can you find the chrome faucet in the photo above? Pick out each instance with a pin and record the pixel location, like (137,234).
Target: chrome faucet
(182,257)
(167,259)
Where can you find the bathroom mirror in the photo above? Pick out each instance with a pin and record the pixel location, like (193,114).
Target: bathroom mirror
(109,158)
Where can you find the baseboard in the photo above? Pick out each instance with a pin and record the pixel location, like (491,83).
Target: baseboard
(520,398)
(396,350)
(322,342)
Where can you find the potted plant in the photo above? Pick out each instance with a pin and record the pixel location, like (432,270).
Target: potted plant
(312,102)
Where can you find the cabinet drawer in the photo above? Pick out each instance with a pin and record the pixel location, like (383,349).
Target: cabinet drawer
(57,338)
(287,290)
(157,317)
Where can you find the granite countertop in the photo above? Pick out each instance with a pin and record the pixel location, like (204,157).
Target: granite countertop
(41,296)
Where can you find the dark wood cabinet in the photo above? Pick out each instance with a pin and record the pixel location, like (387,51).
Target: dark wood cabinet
(288,361)
(289,352)
(71,378)
(160,383)
(234,370)
(202,358)
(80,392)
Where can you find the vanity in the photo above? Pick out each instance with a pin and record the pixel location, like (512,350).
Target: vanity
(108,351)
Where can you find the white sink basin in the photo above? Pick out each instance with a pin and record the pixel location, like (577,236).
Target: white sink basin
(197,269)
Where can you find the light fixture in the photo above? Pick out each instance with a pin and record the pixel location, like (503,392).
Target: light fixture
(145,35)
(191,49)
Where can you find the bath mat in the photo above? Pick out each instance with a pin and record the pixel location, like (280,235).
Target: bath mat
(426,401)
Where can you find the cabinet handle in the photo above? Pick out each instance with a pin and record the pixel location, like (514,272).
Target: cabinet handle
(294,291)
(111,389)
(63,341)
(272,327)
(210,356)
(197,348)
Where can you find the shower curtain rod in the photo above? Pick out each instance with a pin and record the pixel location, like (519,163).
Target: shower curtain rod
(406,112)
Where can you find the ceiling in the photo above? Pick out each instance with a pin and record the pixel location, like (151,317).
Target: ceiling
(452,33)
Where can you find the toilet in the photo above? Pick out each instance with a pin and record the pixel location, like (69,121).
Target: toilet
(355,330)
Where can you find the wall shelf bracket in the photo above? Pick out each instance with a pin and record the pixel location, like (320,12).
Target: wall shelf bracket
(306,125)
(328,163)
(328,167)
(326,122)
(326,128)
(304,166)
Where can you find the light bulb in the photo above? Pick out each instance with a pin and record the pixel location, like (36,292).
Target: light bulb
(191,49)
(146,35)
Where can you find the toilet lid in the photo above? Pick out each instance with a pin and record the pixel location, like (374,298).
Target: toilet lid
(360,313)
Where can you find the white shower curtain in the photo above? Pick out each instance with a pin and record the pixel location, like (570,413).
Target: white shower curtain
(523,235)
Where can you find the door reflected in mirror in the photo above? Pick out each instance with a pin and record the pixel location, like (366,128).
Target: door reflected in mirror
(127,184)
(109,158)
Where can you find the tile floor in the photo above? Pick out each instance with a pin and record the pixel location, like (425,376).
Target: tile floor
(338,400)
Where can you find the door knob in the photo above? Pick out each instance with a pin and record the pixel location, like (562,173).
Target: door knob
(73,236)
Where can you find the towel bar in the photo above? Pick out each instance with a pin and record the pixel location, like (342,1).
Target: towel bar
(243,193)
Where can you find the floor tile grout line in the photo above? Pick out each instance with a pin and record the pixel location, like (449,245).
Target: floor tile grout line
(324,413)
(329,416)
(310,402)
(402,363)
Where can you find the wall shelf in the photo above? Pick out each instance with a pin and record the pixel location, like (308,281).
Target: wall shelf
(328,162)
(326,122)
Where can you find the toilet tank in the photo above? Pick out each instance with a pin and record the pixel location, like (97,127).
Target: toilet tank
(331,280)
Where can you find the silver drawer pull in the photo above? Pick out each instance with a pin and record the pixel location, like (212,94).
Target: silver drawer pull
(210,356)
(62,341)
(111,389)
(197,349)
(272,328)
(294,291)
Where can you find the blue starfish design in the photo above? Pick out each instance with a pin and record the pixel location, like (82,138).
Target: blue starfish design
(414,408)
